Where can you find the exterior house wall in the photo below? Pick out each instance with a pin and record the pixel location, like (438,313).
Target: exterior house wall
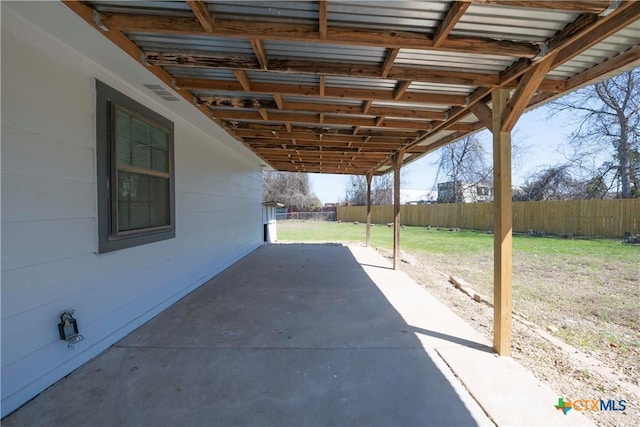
(49,205)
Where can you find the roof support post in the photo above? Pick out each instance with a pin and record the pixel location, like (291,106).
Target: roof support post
(397,164)
(502,226)
(369,179)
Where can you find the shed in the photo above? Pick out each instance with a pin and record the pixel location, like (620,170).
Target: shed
(269,221)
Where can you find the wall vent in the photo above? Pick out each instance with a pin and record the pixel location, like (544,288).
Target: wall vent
(161,92)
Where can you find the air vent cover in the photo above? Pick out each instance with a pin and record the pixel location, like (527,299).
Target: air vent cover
(161,92)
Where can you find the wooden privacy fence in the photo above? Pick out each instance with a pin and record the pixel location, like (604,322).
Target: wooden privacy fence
(604,218)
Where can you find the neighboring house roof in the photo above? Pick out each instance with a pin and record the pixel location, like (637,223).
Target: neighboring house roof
(343,87)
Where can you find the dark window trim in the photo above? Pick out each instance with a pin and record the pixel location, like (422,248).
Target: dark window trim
(107,98)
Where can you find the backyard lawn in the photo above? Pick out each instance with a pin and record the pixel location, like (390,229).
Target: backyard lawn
(589,289)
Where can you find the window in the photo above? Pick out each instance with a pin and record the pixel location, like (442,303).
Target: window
(135,172)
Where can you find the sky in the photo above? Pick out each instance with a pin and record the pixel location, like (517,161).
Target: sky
(542,133)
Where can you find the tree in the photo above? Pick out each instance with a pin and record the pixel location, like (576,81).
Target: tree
(607,136)
(381,190)
(463,163)
(552,183)
(289,188)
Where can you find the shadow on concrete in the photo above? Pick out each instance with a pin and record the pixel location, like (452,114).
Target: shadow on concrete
(291,335)
(384,267)
(453,339)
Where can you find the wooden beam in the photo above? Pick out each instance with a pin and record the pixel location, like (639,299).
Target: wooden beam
(263,113)
(388,61)
(527,87)
(314,91)
(623,16)
(397,165)
(183,59)
(278,99)
(243,79)
(312,118)
(322,19)
(309,33)
(322,88)
(587,6)
(288,126)
(401,89)
(502,227)
(324,108)
(571,41)
(605,68)
(369,177)
(202,13)
(483,113)
(260,53)
(451,18)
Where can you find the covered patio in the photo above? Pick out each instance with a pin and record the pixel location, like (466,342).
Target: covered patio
(289,335)
(364,88)
(282,339)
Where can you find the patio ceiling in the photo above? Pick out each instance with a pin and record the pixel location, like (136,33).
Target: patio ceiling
(344,86)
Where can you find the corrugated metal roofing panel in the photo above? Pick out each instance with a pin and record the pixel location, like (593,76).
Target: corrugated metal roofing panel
(298,12)
(319,127)
(225,94)
(282,78)
(417,16)
(201,73)
(191,44)
(413,106)
(261,122)
(608,48)
(437,137)
(360,83)
(175,8)
(471,118)
(322,100)
(440,88)
(453,60)
(349,116)
(512,23)
(324,52)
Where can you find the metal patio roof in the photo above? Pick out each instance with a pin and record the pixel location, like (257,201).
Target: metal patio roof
(342,86)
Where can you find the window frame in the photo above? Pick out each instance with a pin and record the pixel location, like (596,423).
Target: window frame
(108,100)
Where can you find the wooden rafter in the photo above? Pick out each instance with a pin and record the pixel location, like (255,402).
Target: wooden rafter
(573,44)
(260,53)
(315,91)
(322,19)
(451,18)
(388,61)
(401,88)
(426,75)
(278,100)
(243,79)
(327,108)
(351,120)
(384,120)
(309,34)
(202,13)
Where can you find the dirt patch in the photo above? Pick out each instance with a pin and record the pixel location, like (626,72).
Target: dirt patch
(553,364)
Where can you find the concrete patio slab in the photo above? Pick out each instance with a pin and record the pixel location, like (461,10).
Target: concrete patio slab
(291,335)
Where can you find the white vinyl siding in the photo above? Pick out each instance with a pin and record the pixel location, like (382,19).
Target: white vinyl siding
(49,206)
